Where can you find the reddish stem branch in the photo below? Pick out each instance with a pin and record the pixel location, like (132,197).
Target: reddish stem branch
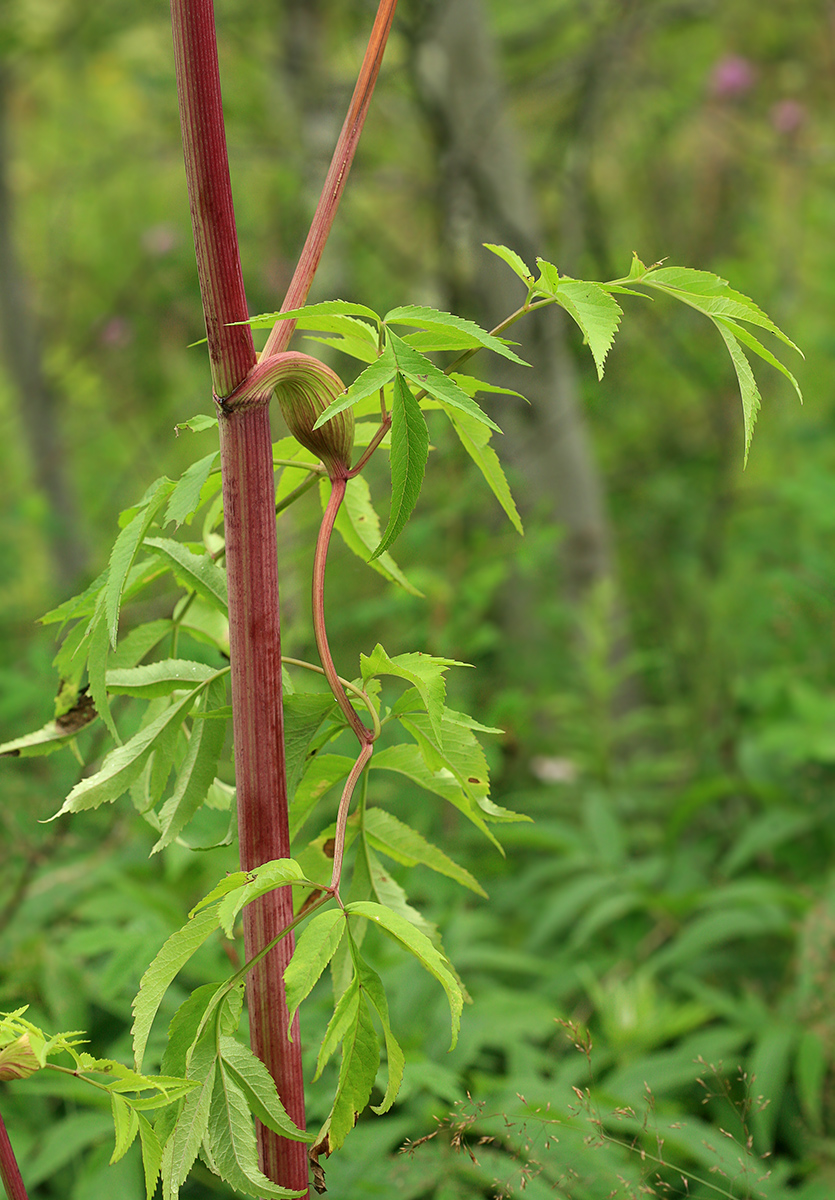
(335,180)
(338,486)
(9,1170)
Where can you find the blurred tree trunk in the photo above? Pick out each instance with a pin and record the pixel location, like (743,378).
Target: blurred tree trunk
(38,405)
(485,195)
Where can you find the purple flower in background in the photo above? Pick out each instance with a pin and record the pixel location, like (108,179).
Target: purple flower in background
(159,240)
(116,333)
(731,76)
(787,116)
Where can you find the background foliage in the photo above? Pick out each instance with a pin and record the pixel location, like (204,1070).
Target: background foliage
(671,736)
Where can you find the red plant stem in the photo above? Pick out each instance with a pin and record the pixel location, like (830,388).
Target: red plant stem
(252,572)
(342,813)
(338,486)
(9,1170)
(335,180)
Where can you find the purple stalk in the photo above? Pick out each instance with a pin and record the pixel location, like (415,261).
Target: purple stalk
(252,571)
(9,1170)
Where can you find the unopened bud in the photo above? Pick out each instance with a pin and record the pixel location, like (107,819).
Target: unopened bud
(18,1060)
(304,388)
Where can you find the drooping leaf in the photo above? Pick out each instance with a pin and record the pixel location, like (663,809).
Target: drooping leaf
(125,1125)
(182,1147)
(748,390)
(405,845)
(372,986)
(197,772)
(589,304)
(170,960)
(424,317)
(151,1156)
(409,452)
(124,764)
(360,1062)
(315,948)
(475,439)
(359,527)
(713,296)
(420,946)
(258,1087)
(231,1136)
(197,572)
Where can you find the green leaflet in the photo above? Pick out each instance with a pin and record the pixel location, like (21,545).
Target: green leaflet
(258,1087)
(423,671)
(360,1061)
(151,1156)
(160,678)
(97,654)
(407,759)
(231,1136)
(323,308)
(125,1126)
(125,549)
(372,986)
(423,374)
(124,764)
(748,390)
(475,439)
(182,1147)
(175,953)
(52,736)
(194,571)
(198,770)
(417,944)
(388,892)
(315,948)
(471,334)
(140,641)
(513,261)
(323,771)
(359,527)
(405,845)
(589,304)
(409,452)
(277,873)
(198,424)
(185,499)
(367,383)
(304,713)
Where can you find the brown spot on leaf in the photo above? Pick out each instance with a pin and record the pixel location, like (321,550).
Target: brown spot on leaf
(329,848)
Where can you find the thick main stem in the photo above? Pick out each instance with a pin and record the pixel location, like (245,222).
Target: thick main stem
(252,572)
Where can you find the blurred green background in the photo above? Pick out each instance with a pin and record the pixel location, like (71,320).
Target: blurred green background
(658,648)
